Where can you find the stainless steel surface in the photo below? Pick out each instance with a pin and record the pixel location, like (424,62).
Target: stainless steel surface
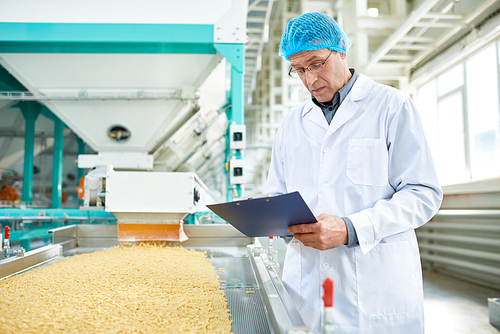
(85,236)
(248,312)
(281,311)
(220,235)
(256,297)
(31,259)
(494,308)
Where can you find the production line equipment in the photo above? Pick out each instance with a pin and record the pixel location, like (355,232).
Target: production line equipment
(150,207)
(256,297)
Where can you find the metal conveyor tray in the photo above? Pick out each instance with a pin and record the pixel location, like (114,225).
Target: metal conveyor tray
(268,310)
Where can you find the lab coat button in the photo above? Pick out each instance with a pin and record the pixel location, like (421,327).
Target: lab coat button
(326,186)
(326,265)
(326,150)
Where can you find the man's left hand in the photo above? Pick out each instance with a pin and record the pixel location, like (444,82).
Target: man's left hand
(328,232)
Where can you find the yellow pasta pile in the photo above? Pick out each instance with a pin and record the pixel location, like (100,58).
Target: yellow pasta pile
(137,289)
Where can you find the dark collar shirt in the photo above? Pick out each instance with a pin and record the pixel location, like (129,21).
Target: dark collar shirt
(329,109)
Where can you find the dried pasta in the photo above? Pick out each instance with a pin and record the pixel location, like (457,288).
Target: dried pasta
(136,289)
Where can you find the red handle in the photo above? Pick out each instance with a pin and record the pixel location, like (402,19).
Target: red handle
(7,232)
(328,292)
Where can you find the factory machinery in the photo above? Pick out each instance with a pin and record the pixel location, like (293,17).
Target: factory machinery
(151,89)
(151,206)
(158,95)
(248,268)
(148,210)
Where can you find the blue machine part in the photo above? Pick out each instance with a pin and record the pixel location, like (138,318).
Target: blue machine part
(28,225)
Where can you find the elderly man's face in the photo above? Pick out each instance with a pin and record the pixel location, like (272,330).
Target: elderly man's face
(325,84)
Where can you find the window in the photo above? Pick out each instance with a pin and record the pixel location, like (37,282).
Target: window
(294,95)
(451,163)
(461,118)
(450,80)
(427,106)
(482,105)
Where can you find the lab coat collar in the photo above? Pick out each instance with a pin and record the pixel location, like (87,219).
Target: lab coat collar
(314,113)
(346,110)
(361,89)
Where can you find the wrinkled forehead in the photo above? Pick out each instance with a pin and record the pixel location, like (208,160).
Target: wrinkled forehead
(308,57)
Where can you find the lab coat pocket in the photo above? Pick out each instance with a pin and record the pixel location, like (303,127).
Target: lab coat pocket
(367,162)
(387,279)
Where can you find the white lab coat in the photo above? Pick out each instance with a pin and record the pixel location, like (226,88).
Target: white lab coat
(371,164)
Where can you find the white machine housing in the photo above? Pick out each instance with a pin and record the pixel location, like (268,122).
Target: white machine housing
(145,197)
(128,160)
(171,194)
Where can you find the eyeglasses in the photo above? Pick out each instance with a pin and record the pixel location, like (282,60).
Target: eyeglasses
(313,68)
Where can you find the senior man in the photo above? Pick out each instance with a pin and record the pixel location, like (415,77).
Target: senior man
(356,152)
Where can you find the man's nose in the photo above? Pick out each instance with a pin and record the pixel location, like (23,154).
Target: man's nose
(309,77)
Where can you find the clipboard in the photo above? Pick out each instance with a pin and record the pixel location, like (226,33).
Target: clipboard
(265,216)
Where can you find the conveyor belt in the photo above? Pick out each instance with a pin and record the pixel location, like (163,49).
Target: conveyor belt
(267,309)
(247,309)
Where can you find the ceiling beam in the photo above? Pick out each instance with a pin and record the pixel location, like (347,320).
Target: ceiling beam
(443,16)
(381,22)
(397,57)
(255,19)
(415,16)
(429,24)
(417,39)
(254,5)
(478,10)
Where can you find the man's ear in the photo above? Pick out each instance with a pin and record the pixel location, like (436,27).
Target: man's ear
(342,55)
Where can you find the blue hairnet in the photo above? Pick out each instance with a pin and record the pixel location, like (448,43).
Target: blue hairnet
(313,31)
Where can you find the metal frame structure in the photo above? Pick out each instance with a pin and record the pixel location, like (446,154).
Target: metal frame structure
(212,34)
(427,29)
